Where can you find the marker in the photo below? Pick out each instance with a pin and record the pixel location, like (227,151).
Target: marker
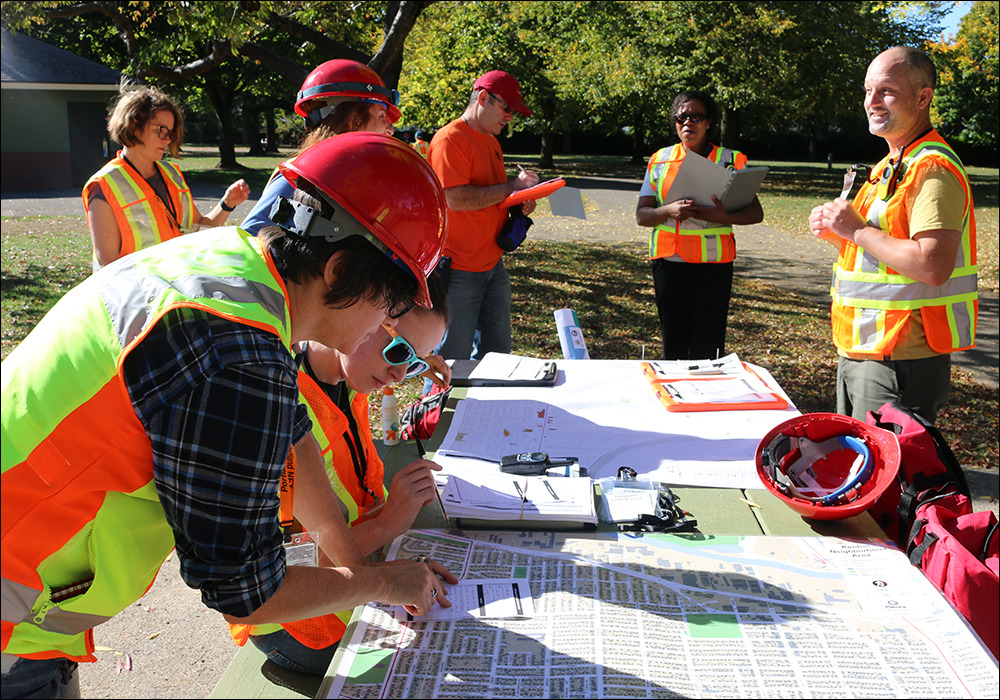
(437,495)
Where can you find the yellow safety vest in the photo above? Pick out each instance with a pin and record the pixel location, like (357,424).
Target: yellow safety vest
(872,302)
(84,533)
(684,241)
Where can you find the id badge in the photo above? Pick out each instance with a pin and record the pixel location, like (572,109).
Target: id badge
(301,549)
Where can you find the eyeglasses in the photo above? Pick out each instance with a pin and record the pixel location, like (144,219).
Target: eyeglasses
(163,132)
(400,352)
(503,105)
(400,308)
(693,118)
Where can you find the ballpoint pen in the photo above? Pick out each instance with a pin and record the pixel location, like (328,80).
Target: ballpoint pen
(437,495)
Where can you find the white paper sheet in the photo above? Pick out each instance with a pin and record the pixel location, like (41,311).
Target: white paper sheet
(605,413)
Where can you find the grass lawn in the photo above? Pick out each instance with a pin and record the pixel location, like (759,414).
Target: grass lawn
(42,257)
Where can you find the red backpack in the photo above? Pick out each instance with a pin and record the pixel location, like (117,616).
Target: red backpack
(926,462)
(928,511)
(420,418)
(958,552)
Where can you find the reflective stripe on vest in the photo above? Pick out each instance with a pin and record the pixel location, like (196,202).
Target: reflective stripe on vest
(422,147)
(142,218)
(80,510)
(331,430)
(872,302)
(684,241)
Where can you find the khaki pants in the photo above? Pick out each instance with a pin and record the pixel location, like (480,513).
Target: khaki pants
(865,385)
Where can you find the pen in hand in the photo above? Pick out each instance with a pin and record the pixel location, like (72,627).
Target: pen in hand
(437,495)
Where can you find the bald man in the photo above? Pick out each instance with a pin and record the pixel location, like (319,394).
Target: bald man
(905,288)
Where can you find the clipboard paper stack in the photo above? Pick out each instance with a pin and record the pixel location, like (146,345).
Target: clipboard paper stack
(711,385)
(523,502)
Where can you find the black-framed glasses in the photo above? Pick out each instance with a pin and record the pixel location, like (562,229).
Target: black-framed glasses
(163,132)
(509,111)
(400,308)
(400,352)
(693,118)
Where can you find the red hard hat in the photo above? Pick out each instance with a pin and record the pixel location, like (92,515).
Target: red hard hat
(389,193)
(343,80)
(827,466)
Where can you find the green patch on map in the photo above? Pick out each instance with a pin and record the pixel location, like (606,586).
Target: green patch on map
(713,626)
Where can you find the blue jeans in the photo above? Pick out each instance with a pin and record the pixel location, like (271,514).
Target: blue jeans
(477,300)
(39,678)
(289,653)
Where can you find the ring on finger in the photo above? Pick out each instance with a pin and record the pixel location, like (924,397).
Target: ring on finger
(421,558)
(434,592)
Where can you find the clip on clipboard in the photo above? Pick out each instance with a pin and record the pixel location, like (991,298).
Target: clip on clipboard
(463,374)
(730,392)
(539,191)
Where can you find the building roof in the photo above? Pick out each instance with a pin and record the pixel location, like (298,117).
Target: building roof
(28,62)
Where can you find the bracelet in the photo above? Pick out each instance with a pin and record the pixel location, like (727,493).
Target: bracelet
(225,207)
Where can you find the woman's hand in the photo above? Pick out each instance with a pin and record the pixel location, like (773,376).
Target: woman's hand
(439,371)
(679,210)
(236,193)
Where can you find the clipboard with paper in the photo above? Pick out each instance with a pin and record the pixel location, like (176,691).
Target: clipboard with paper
(699,179)
(728,391)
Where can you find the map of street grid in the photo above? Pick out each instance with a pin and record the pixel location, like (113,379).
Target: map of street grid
(674,616)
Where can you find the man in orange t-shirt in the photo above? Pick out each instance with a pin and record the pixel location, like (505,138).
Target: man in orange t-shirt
(468,159)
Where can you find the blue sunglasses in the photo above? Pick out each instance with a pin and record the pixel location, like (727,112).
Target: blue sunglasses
(400,352)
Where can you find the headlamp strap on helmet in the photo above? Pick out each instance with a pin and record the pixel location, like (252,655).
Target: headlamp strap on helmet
(392,96)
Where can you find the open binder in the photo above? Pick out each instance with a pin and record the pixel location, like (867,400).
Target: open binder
(729,391)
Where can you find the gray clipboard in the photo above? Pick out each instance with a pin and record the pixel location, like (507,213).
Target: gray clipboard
(461,371)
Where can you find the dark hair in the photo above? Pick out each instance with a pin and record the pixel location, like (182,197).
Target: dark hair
(363,272)
(345,117)
(707,101)
(438,297)
(133,110)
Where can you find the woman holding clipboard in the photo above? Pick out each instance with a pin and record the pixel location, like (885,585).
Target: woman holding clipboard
(691,247)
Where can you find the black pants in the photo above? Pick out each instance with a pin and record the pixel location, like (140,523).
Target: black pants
(693,303)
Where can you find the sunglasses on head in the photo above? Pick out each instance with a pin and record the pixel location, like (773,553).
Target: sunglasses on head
(400,352)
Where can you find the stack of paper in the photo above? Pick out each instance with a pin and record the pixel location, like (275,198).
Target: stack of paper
(521,498)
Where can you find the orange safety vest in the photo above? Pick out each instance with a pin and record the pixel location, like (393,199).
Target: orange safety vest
(872,302)
(421,147)
(83,532)
(142,217)
(342,457)
(684,241)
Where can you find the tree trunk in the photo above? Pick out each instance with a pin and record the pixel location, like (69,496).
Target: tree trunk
(639,136)
(272,131)
(251,132)
(730,135)
(222,100)
(548,135)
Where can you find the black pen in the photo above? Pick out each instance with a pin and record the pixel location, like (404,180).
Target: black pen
(437,495)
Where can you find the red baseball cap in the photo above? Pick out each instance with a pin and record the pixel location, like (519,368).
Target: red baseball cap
(505,86)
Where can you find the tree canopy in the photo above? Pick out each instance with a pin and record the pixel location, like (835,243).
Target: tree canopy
(781,70)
